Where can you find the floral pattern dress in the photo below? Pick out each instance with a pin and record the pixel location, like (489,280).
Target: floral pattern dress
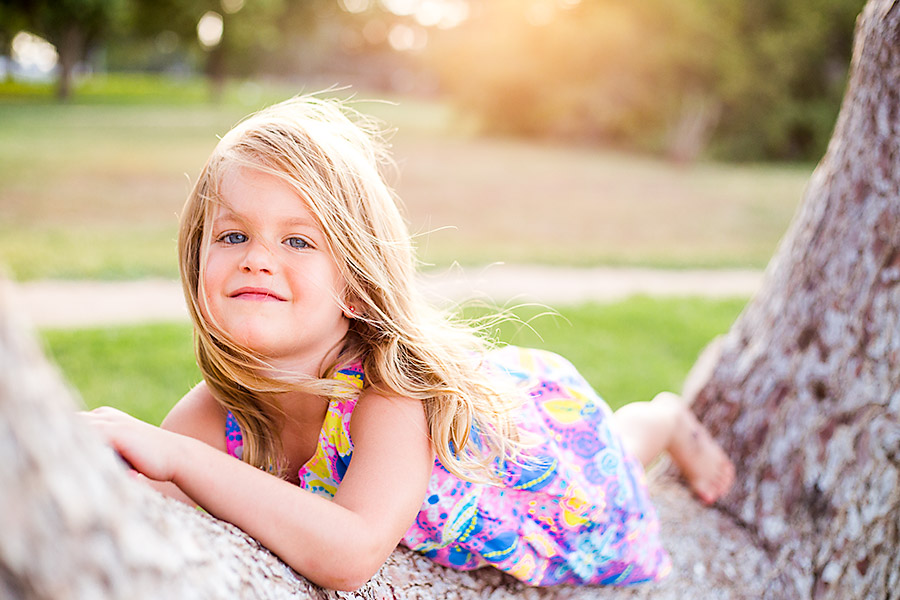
(578,512)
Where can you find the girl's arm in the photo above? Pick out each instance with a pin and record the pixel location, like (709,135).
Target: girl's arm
(199,416)
(338,544)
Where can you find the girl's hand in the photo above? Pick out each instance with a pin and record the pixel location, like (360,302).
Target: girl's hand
(148,449)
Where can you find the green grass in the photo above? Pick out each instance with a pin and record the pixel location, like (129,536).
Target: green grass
(141,369)
(628,351)
(106,175)
(118,89)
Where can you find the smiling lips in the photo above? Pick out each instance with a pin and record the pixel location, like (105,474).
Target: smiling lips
(256,294)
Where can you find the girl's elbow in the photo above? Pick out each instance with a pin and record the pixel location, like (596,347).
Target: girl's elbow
(356,575)
(346,578)
(347,571)
(348,582)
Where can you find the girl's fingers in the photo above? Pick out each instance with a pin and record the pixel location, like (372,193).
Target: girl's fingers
(141,447)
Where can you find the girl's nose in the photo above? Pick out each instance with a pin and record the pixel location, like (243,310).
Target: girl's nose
(257,259)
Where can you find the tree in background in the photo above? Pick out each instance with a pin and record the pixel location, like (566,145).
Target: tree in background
(782,71)
(255,38)
(757,79)
(73,26)
(220,37)
(739,79)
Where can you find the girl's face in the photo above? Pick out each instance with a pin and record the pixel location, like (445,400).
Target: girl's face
(270,279)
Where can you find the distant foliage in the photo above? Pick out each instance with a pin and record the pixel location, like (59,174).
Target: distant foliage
(741,79)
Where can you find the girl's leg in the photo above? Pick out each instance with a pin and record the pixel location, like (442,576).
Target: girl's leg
(666,424)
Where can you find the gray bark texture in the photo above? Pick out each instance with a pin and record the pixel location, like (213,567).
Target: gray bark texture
(806,395)
(803,393)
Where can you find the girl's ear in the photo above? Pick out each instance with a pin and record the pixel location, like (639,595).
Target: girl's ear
(352,306)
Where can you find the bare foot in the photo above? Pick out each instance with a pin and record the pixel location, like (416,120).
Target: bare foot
(702,461)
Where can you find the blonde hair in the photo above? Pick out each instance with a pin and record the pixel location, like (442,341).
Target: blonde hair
(333,158)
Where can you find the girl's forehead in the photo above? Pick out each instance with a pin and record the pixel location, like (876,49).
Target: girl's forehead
(247,191)
(239,177)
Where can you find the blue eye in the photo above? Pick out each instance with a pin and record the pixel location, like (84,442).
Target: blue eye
(234,238)
(297,242)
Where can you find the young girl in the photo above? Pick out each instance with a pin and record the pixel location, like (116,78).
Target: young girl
(316,348)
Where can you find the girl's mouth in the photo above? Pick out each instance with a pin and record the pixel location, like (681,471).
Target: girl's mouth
(256,294)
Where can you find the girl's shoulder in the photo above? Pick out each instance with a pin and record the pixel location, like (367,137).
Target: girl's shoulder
(376,428)
(368,398)
(199,415)
(365,398)
(369,406)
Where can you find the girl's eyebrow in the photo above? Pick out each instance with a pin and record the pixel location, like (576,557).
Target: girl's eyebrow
(225,214)
(228,215)
(301,222)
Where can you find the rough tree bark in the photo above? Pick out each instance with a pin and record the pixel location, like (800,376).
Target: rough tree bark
(804,395)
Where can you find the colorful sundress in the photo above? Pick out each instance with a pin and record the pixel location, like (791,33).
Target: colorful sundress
(578,513)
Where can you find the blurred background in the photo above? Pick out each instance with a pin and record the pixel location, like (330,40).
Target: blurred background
(665,133)
(653,133)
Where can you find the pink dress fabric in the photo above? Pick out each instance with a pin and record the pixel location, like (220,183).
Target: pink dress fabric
(577,513)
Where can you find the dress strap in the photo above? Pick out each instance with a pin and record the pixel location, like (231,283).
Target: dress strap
(352,373)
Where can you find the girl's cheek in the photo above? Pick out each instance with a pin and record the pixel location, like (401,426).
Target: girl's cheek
(204,298)
(203,310)
(207,307)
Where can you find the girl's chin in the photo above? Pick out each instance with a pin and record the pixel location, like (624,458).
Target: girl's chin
(277,353)
(266,350)
(263,345)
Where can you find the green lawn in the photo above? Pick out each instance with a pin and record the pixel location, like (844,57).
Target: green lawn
(628,350)
(92,189)
(142,369)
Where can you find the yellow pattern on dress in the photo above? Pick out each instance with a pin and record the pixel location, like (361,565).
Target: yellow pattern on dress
(334,429)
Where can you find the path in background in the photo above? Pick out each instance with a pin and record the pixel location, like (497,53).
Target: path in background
(93,303)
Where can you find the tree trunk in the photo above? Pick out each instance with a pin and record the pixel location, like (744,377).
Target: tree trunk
(70,46)
(217,62)
(215,73)
(804,395)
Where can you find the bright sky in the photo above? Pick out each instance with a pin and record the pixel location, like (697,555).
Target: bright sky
(428,13)
(210,28)
(33,52)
